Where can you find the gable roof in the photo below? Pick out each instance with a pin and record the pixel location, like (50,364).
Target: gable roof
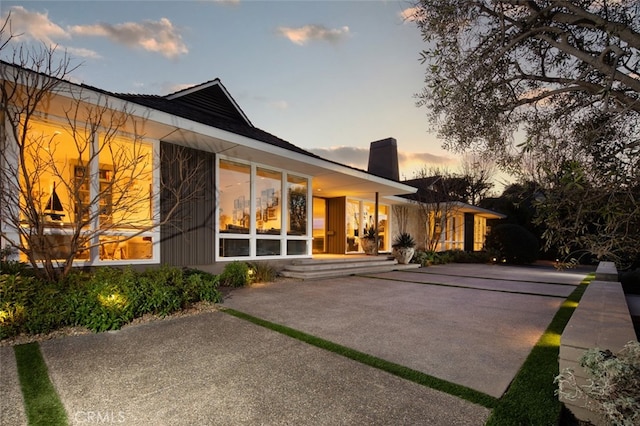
(213,98)
(211,104)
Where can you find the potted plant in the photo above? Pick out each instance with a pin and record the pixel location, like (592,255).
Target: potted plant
(368,240)
(403,247)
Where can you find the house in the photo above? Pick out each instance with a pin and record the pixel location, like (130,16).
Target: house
(434,214)
(106,172)
(259,197)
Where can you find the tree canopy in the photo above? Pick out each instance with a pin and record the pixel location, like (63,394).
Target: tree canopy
(551,89)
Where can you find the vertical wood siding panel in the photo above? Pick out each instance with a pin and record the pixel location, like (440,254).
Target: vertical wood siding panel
(189,237)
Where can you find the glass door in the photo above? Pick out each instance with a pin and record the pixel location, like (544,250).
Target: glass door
(319,225)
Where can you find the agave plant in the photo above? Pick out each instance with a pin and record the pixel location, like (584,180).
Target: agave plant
(404,240)
(370,232)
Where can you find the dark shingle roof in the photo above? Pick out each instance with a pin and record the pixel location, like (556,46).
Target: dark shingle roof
(211,105)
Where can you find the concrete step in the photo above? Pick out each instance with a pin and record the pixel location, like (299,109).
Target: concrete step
(342,269)
(326,265)
(341,259)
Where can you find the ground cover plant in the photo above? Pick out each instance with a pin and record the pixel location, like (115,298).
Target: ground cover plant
(104,299)
(427,258)
(613,385)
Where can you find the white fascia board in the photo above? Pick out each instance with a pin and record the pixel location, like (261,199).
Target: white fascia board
(396,200)
(464,207)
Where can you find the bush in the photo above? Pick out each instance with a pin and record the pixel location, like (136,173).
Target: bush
(613,388)
(235,274)
(104,300)
(11,266)
(262,272)
(426,258)
(461,256)
(512,243)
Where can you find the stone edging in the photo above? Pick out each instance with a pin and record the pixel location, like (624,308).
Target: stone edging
(601,320)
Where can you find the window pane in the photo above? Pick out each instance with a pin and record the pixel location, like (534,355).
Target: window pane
(268,205)
(233,248)
(298,210)
(353,225)
(383,221)
(268,247)
(296,247)
(48,157)
(234,198)
(125,179)
(122,248)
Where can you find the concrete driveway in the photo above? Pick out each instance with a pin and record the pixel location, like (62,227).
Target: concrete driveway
(469,324)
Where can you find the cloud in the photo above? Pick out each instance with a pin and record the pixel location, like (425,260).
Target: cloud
(408,162)
(34,25)
(348,155)
(412,162)
(279,104)
(83,53)
(302,35)
(154,36)
(411,14)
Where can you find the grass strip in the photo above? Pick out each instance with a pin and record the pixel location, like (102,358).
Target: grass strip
(409,271)
(423,270)
(415,376)
(531,399)
(41,401)
(495,290)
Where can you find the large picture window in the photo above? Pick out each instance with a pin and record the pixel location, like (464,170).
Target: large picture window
(95,188)
(256,205)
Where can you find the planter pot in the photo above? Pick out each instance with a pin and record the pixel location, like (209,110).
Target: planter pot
(403,254)
(368,245)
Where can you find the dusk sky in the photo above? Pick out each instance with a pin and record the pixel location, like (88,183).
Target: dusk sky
(327,76)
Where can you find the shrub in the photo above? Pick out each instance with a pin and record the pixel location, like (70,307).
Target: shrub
(613,388)
(103,300)
(12,266)
(461,256)
(16,292)
(205,283)
(512,243)
(235,274)
(426,258)
(262,272)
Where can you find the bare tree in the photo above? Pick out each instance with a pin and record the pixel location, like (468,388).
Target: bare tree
(437,200)
(478,171)
(80,186)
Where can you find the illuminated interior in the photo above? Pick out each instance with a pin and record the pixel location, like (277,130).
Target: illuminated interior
(256,226)
(361,216)
(102,186)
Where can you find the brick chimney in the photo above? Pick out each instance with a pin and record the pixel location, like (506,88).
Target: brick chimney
(383,159)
